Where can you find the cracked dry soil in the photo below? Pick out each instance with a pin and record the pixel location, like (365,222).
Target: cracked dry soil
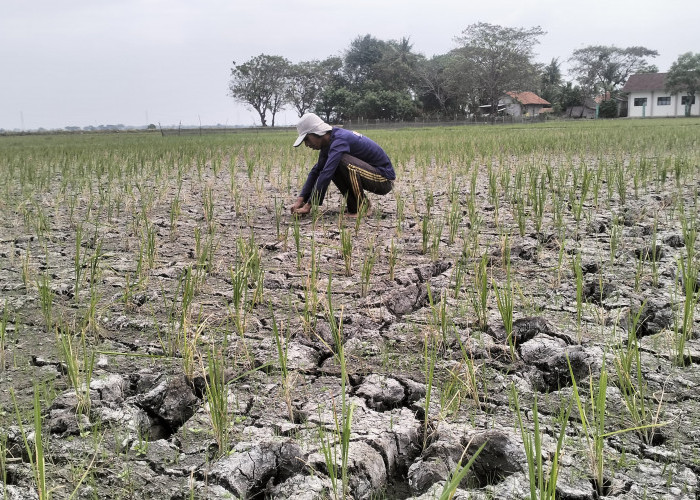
(148,431)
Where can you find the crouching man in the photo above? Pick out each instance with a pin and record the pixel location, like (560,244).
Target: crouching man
(352,161)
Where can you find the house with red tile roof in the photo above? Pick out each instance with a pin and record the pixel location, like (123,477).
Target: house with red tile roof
(647,97)
(523,104)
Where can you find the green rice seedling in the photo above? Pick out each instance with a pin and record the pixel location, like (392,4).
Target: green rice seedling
(287,378)
(393,258)
(541,488)
(632,383)
(440,320)
(505,179)
(469,371)
(458,277)
(577,206)
(493,185)
(593,423)
(77,261)
(46,298)
(3,337)
(330,458)
(367,267)
(480,292)
(189,345)
(216,392)
(211,245)
(208,205)
(187,287)
(425,233)
(597,183)
(400,208)
(472,211)
(615,234)
(3,459)
(346,250)
(454,219)
(297,241)
(151,246)
(578,277)
(684,329)
(521,216)
(436,238)
(690,234)
(35,449)
(504,301)
(362,211)
(451,394)
(621,183)
(79,359)
(239,289)
(344,425)
(89,321)
(459,474)
(175,211)
(539,201)
(311,299)
(654,257)
(430,354)
(94,263)
(429,202)
(26,269)
(638,272)
(279,208)
(128,295)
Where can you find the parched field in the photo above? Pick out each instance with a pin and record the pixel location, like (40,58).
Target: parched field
(517,319)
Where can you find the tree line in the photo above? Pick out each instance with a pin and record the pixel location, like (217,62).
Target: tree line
(378,79)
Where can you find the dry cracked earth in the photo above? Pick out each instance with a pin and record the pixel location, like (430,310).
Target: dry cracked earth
(428,382)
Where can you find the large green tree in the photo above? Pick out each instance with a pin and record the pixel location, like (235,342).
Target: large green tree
(362,61)
(499,58)
(305,84)
(684,76)
(380,77)
(551,81)
(601,68)
(261,83)
(432,84)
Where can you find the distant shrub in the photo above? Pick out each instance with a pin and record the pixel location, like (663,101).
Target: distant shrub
(608,109)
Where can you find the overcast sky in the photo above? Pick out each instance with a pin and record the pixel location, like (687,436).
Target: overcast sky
(134,62)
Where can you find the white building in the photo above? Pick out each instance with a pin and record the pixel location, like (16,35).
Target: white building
(647,97)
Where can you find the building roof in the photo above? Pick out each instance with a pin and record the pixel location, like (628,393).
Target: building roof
(526,98)
(644,82)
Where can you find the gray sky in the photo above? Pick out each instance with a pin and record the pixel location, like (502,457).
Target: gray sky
(134,62)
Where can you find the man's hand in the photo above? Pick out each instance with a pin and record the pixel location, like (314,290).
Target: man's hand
(299,207)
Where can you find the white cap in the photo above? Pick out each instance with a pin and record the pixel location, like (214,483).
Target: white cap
(310,124)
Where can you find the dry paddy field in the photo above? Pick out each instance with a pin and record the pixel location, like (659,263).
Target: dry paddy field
(517,319)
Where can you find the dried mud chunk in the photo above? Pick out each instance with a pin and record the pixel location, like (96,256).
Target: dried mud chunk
(173,401)
(650,252)
(406,300)
(651,317)
(501,456)
(597,293)
(674,241)
(381,393)
(551,356)
(526,328)
(250,467)
(367,470)
(303,488)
